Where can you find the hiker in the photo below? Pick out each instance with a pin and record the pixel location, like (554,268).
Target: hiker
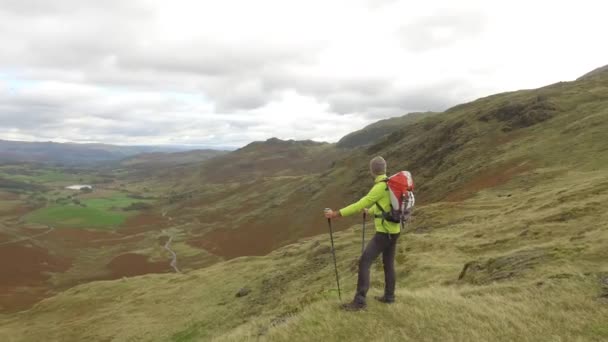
(375,203)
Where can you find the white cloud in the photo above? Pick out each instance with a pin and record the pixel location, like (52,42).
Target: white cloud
(225,73)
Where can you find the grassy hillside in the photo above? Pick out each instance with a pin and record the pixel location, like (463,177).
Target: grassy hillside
(160,159)
(277,188)
(507,243)
(241,197)
(273,157)
(372,133)
(512,263)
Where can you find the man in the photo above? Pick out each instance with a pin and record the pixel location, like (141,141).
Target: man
(384,241)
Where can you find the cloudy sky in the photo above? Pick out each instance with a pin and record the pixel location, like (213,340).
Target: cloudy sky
(225,73)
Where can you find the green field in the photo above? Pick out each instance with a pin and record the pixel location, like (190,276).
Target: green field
(96,213)
(117,201)
(76,216)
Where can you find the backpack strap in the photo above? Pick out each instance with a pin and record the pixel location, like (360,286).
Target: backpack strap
(382,210)
(378,205)
(383,216)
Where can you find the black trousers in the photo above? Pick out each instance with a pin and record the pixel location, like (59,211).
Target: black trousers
(380,243)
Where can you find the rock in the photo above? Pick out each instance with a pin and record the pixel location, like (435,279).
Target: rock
(321,250)
(464,270)
(505,267)
(422,230)
(243,292)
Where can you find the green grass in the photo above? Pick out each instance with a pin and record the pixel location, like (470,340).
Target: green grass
(118,200)
(76,216)
(96,213)
(537,279)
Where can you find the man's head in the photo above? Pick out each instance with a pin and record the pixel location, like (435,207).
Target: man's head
(377,166)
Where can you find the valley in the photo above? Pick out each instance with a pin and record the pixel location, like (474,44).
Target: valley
(54,237)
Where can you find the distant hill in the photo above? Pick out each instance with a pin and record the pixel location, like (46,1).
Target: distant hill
(71,153)
(376,131)
(164,159)
(599,72)
(273,157)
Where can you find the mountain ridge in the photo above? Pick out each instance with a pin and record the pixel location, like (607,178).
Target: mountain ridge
(378,130)
(599,72)
(72,153)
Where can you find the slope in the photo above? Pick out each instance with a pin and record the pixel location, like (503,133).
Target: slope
(378,130)
(482,269)
(153,160)
(249,195)
(277,188)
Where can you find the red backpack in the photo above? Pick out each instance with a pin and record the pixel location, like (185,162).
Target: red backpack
(401,193)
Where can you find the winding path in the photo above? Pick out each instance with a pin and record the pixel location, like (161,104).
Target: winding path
(168,246)
(174,256)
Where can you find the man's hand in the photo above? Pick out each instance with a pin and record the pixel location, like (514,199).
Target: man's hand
(331,214)
(365,212)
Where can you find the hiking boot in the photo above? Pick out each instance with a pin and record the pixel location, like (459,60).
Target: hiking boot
(353,306)
(385,299)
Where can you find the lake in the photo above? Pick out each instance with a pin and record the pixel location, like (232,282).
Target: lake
(79,186)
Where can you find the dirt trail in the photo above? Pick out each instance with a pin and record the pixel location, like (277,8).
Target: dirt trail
(174,256)
(168,247)
(51,228)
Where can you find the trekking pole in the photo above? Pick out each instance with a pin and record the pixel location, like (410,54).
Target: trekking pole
(333,252)
(363,234)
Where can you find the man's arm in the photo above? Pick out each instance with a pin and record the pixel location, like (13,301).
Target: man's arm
(371,211)
(374,195)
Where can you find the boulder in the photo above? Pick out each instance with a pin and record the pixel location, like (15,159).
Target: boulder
(243,292)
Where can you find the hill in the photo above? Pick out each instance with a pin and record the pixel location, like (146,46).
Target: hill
(455,154)
(373,133)
(241,196)
(597,73)
(507,243)
(71,153)
(154,160)
(273,157)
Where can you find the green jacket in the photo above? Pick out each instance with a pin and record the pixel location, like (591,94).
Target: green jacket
(378,193)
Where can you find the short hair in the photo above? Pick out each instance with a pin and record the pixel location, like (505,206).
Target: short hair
(377,166)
